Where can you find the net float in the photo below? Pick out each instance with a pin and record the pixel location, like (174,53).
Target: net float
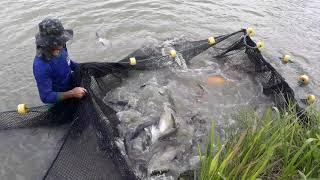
(173,53)
(211,41)
(22,109)
(133,61)
(250,32)
(304,79)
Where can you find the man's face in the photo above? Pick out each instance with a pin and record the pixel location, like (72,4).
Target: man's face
(55,51)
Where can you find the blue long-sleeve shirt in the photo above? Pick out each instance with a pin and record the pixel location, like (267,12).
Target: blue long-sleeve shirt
(53,76)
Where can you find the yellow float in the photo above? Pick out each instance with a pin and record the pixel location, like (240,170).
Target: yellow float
(173,53)
(260,45)
(22,109)
(133,61)
(311,99)
(304,79)
(211,41)
(250,31)
(286,59)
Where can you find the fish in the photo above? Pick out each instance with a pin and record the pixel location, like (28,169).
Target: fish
(150,144)
(217,80)
(159,161)
(160,128)
(141,145)
(150,132)
(166,125)
(103,41)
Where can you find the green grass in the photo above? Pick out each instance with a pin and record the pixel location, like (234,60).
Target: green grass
(267,147)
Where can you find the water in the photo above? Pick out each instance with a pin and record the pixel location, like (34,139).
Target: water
(285,27)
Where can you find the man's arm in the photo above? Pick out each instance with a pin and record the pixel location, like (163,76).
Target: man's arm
(44,82)
(41,72)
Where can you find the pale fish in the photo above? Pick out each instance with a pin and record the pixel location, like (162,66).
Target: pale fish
(166,124)
(217,80)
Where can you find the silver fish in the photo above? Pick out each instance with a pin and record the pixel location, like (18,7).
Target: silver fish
(142,143)
(158,163)
(103,41)
(166,125)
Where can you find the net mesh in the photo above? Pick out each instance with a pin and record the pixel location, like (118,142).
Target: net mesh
(89,150)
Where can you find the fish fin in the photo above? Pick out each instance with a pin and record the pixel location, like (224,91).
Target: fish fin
(172,103)
(120,103)
(139,129)
(143,85)
(167,133)
(101,42)
(174,120)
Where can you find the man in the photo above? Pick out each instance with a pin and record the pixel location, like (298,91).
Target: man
(52,67)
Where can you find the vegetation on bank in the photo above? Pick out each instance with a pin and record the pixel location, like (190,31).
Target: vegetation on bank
(273,146)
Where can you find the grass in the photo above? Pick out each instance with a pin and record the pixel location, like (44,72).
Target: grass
(267,147)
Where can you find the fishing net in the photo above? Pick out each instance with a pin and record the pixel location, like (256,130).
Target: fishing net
(95,147)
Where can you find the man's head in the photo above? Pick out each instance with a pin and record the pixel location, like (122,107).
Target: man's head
(52,36)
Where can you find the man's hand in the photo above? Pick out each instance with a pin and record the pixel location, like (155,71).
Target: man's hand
(78,92)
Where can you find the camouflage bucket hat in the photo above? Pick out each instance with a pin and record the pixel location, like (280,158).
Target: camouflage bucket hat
(52,33)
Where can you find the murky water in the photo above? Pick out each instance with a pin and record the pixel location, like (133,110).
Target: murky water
(286,27)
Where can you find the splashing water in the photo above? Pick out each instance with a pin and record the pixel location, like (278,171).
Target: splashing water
(104,42)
